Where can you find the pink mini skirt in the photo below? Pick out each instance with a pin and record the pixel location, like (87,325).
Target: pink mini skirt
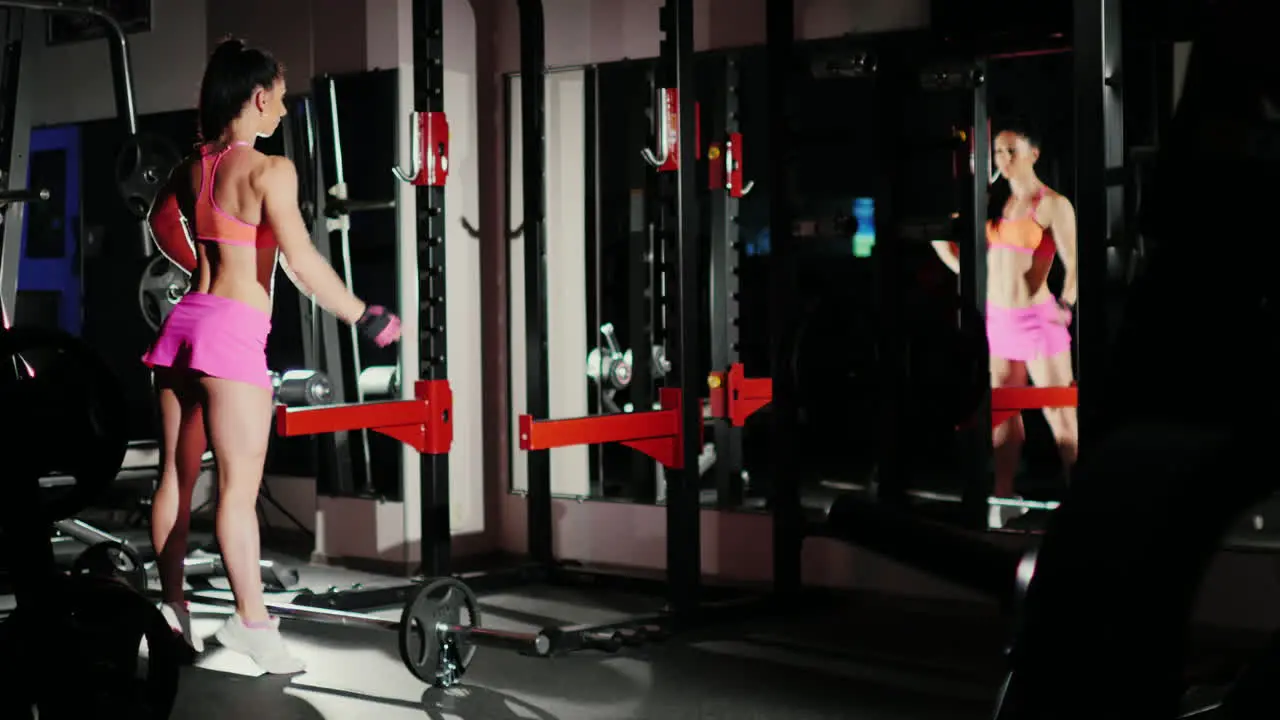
(1029,333)
(214,335)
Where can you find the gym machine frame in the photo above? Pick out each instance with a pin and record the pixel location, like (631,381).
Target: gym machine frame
(672,435)
(1097,41)
(424,423)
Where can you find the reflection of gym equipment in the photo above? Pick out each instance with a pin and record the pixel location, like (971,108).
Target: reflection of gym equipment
(656,433)
(609,367)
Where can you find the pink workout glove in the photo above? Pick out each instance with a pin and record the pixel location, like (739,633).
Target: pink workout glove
(379,325)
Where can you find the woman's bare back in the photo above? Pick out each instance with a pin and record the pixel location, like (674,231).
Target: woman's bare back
(240,272)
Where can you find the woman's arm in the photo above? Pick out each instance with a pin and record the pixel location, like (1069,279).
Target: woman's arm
(293,277)
(169,226)
(949,253)
(279,186)
(1062,221)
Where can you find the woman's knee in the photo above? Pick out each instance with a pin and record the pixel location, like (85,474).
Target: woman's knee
(1010,431)
(1062,422)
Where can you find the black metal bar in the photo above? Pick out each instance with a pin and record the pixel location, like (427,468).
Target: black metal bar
(788,520)
(428,96)
(725,256)
(978,482)
(684,562)
(539,644)
(533,119)
(644,302)
(889,486)
(15,139)
(335,473)
(336,206)
(1097,125)
(594,264)
(121,71)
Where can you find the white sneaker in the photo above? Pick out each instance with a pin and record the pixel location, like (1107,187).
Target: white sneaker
(999,515)
(263,645)
(179,618)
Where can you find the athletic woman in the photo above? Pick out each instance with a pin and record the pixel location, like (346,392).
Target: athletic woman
(209,359)
(1027,327)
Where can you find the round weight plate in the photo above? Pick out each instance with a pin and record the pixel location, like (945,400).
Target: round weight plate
(142,166)
(103,633)
(113,561)
(433,656)
(162,285)
(68,409)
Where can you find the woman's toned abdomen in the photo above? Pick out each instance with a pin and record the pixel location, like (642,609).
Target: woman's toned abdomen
(1017,279)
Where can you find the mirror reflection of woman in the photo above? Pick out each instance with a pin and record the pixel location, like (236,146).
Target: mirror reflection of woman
(1028,329)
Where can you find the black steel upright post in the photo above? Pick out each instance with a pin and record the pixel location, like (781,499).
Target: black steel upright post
(1099,202)
(979,483)
(725,255)
(428,97)
(680,251)
(890,485)
(533,119)
(16,86)
(788,522)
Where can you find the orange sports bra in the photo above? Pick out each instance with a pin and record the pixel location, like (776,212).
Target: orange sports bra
(1022,234)
(213,224)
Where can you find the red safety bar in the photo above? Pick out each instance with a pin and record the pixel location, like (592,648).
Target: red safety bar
(1009,401)
(736,397)
(656,433)
(424,423)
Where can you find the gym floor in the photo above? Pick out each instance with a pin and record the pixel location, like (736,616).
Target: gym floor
(763,670)
(866,657)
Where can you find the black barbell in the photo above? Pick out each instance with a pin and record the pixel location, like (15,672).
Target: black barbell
(438,630)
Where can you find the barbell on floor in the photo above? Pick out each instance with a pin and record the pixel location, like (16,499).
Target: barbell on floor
(439,630)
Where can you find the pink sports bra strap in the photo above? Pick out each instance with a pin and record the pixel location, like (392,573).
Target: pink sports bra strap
(213,168)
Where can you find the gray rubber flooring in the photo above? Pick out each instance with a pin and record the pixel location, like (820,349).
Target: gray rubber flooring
(856,665)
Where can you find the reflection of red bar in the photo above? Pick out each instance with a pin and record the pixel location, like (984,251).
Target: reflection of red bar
(1009,401)
(655,433)
(736,396)
(424,423)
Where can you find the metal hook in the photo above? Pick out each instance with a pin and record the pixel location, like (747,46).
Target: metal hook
(663,132)
(729,163)
(655,160)
(415,142)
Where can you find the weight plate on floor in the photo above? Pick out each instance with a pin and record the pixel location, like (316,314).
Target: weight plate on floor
(162,285)
(112,561)
(433,655)
(72,423)
(98,627)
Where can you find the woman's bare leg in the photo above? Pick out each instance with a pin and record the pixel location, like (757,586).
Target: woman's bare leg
(1006,438)
(239,419)
(182,445)
(1055,371)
